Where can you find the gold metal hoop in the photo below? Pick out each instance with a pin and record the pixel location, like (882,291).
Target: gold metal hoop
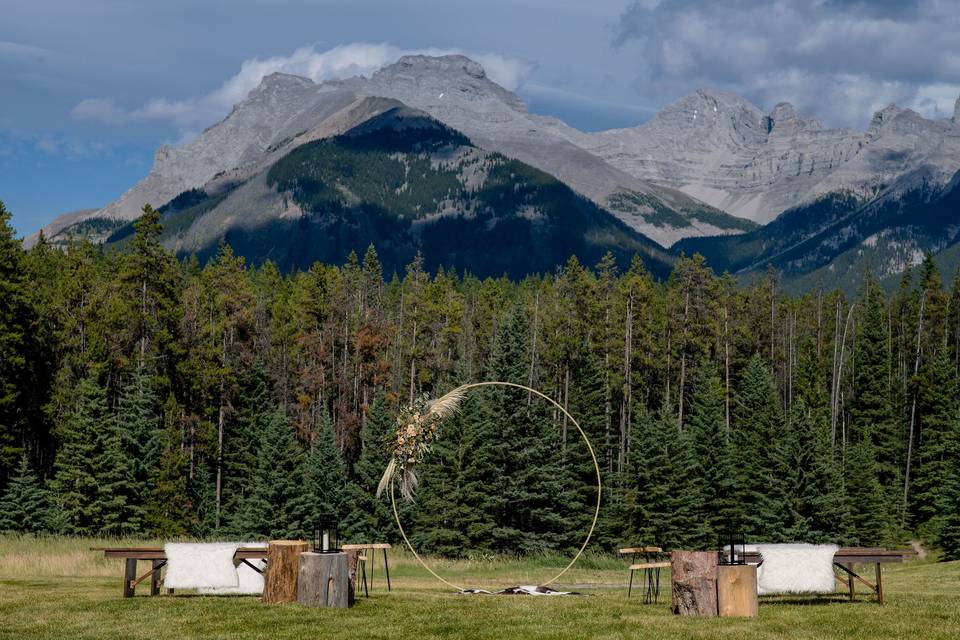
(596,466)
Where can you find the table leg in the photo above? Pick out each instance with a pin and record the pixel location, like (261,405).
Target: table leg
(386,568)
(129,577)
(850,582)
(879,585)
(155,578)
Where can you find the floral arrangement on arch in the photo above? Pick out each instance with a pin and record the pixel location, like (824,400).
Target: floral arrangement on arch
(418,427)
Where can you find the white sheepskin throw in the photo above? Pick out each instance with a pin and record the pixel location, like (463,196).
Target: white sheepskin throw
(197,566)
(250,582)
(796,568)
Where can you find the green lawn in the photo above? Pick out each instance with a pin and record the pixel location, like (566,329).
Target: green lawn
(55,589)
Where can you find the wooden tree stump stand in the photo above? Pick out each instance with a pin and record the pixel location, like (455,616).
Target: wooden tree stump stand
(737,591)
(324,580)
(283,566)
(694,582)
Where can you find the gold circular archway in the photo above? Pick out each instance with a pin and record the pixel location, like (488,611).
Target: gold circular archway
(593,457)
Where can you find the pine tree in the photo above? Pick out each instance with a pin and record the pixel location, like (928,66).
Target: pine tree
(871,412)
(713,454)
(203,495)
(150,277)
(76,483)
(814,505)
(949,533)
(937,407)
(326,482)
(869,515)
(118,504)
(25,506)
(522,479)
(370,518)
(441,513)
(757,424)
(669,502)
(169,509)
(277,506)
(13,325)
(576,477)
(138,427)
(252,412)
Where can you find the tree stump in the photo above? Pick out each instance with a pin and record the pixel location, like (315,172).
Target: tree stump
(737,591)
(283,565)
(324,580)
(694,581)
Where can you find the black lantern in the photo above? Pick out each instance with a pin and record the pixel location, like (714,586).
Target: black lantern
(732,547)
(326,536)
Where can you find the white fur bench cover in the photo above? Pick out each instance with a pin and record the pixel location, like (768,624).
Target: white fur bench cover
(250,582)
(195,566)
(796,568)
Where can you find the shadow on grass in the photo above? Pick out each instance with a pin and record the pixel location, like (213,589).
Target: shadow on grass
(804,600)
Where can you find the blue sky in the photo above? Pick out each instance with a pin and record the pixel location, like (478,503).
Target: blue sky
(91,88)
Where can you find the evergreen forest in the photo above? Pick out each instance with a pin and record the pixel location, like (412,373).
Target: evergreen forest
(146,395)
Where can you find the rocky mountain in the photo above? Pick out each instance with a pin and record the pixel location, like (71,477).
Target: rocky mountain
(724,151)
(835,240)
(873,201)
(403,182)
(699,176)
(285,111)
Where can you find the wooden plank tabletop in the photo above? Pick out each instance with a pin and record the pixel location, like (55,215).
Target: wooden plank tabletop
(157,553)
(372,545)
(628,550)
(859,555)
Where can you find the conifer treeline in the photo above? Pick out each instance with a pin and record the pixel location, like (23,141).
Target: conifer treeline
(142,395)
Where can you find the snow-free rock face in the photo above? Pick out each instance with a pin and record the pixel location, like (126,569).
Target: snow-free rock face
(679,175)
(721,149)
(456,91)
(272,112)
(453,89)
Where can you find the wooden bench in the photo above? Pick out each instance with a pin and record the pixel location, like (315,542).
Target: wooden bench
(653,561)
(362,559)
(846,557)
(158,559)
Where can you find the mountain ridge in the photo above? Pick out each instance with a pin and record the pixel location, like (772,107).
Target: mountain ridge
(453,89)
(404,183)
(675,178)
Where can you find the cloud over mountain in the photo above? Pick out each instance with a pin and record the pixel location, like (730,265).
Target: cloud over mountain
(861,54)
(343,61)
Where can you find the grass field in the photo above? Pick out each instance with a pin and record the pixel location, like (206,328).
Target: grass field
(55,588)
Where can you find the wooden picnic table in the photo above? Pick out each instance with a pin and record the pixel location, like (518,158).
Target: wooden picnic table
(158,559)
(846,557)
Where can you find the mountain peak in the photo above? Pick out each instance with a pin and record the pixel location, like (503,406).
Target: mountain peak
(279,80)
(786,119)
(721,98)
(956,111)
(440,82)
(448,64)
(882,118)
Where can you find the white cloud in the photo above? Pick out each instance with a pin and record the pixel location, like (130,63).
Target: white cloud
(339,62)
(835,59)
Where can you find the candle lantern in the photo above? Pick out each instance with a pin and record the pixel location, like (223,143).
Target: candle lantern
(326,536)
(732,547)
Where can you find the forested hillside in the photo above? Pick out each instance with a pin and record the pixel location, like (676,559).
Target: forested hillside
(142,395)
